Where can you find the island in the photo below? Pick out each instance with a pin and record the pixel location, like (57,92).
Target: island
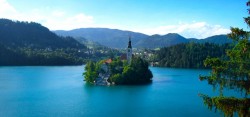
(126,69)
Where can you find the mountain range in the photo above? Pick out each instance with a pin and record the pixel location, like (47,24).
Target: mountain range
(115,38)
(30,43)
(33,35)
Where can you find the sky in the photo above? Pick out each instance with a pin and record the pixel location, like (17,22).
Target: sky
(190,18)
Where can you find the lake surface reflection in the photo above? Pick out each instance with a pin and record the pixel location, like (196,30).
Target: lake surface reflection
(60,91)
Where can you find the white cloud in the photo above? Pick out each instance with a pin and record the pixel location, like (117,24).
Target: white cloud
(6,10)
(62,22)
(53,19)
(189,30)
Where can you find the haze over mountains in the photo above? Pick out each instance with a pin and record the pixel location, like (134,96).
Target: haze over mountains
(34,35)
(115,38)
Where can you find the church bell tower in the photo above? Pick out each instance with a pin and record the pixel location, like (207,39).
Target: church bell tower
(129,51)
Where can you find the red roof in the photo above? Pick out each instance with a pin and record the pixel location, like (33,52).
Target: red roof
(108,61)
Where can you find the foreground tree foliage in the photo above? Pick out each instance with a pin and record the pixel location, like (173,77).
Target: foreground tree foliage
(233,73)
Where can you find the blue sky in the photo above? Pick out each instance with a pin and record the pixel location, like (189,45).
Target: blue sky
(190,18)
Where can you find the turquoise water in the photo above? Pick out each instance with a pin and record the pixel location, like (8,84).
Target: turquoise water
(61,91)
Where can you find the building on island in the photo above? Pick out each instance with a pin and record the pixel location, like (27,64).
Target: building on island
(129,55)
(103,76)
(104,66)
(124,70)
(129,51)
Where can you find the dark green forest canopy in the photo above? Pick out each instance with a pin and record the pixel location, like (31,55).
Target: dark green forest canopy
(190,55)
(33,35)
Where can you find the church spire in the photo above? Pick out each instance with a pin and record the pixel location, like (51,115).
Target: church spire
(129,42)
(129,51)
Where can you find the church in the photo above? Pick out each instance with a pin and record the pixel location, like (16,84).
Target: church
(121,70)
(104,76)
(128,56)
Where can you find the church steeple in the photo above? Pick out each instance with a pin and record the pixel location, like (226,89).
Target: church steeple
(129,43)
(129,51)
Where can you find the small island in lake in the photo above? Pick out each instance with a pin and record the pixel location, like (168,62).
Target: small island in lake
(123,70)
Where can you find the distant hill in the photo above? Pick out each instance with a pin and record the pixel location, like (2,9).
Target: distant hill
(32,35)
(158,41)
(217,39)
(115,38)
(109,37)
(29,43)
(90,44)
(171,39)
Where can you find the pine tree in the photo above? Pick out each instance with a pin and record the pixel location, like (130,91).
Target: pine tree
(232,73)
(91,73)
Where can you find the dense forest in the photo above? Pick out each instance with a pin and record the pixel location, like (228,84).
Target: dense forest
(189,55)
(28,56)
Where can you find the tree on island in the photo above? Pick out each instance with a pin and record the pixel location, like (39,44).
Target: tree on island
(120,72)
(232,73)
(91,72)
(135,73)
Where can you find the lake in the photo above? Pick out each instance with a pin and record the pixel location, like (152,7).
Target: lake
(59,91)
